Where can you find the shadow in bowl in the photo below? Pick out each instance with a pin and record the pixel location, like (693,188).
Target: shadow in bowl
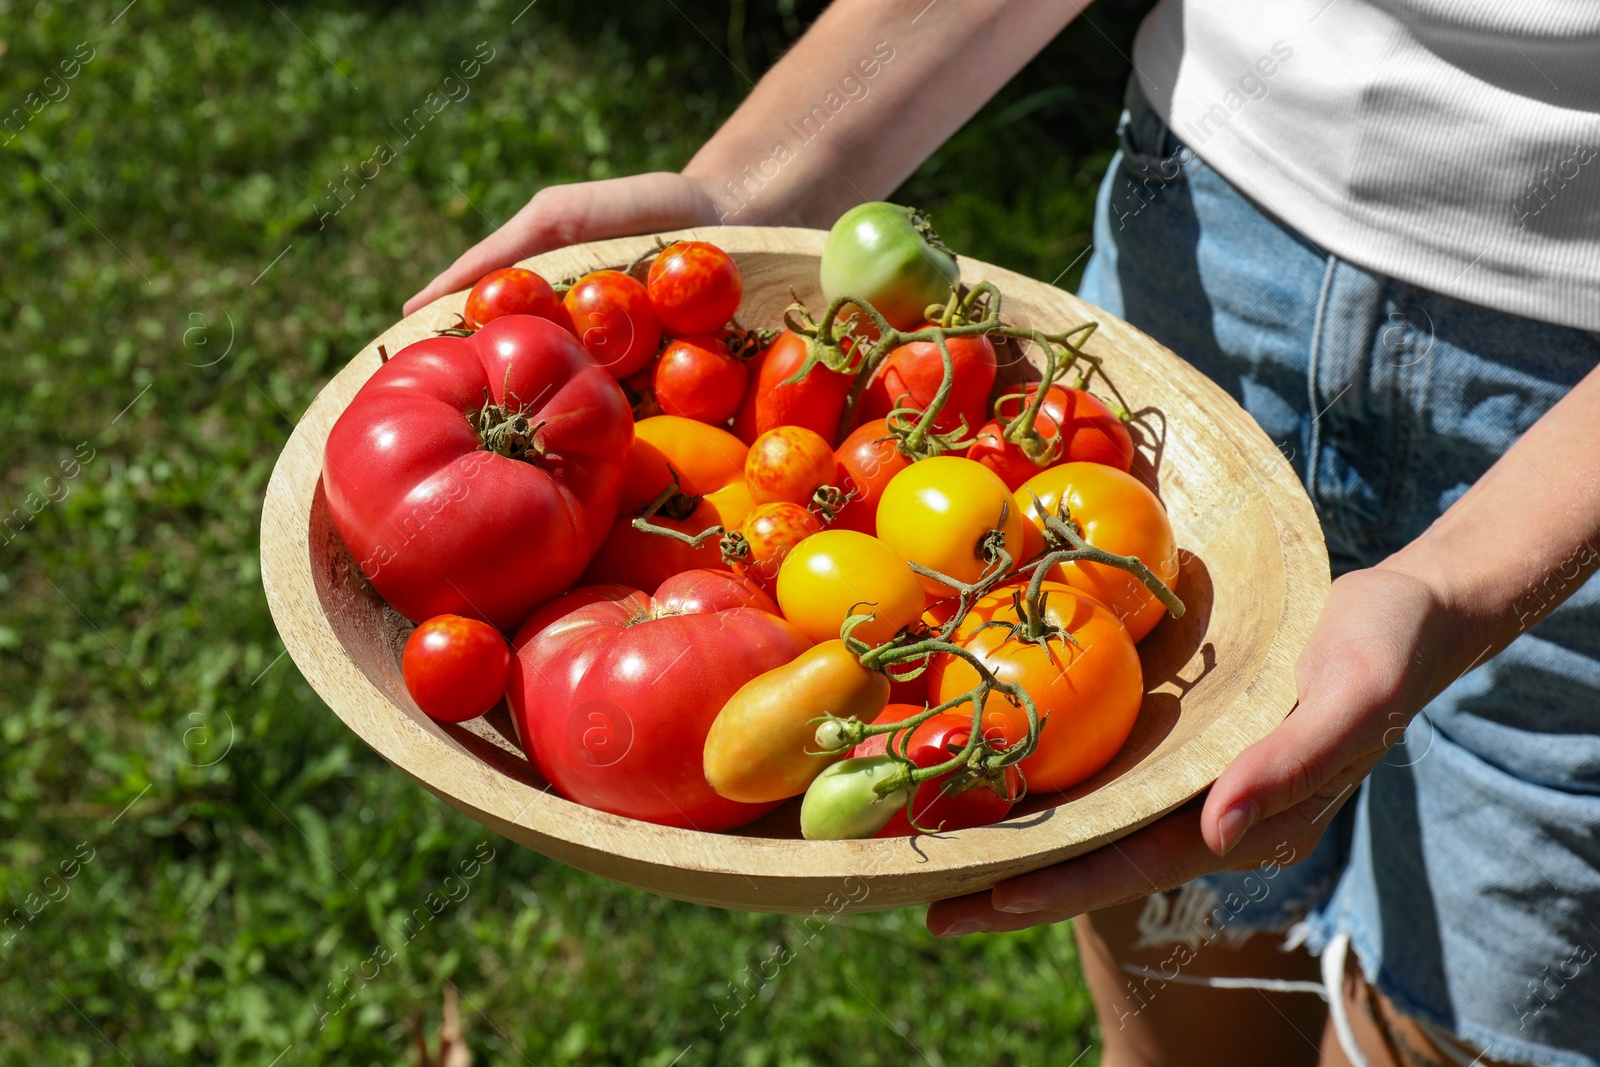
(1163,654)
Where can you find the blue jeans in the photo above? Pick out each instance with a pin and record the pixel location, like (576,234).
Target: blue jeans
(1467,870)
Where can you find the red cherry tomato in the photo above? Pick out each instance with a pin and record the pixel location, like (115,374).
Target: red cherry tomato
(912,374)
(770,532)
(611,315)
(697,378)
(1089,431)
(512,291)
(930,744)
(815,402)
(694,288)
(788,463)
(869,457)
(455,668)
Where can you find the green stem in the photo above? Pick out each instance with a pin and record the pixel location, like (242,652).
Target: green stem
(643,523)
(1063,530)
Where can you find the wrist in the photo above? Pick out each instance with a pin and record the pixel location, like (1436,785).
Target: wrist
(759,186)
(1464,628)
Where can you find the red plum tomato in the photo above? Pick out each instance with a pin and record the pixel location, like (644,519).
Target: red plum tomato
(815,401)
(1089,431)
(913,373)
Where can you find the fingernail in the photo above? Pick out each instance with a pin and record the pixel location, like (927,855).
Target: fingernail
(1020,907)
(963,928)
(1236,822)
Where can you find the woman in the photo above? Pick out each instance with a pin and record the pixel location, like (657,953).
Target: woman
(1377,224)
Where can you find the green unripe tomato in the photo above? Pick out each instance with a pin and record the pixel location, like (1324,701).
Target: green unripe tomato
(889,256)
(841,804)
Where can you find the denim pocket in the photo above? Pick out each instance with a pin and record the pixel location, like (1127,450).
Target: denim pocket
(1152,155)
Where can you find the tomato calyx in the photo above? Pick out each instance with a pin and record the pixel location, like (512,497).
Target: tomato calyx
(998,564)
(735,547)
(507,431)
(462,328)
(923,224)
(673,503)
(827,500)
(1033,623)
(744,345)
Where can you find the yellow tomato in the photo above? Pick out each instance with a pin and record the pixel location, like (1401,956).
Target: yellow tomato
(838,573)
(762,745)
(936,513)
(1116,512)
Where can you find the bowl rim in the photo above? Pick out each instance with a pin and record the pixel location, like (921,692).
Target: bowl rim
(585,836)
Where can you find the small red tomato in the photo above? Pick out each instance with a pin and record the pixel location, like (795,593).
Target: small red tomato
(1090,433)
(913,373)
(455,668)
(512,291)
(815,401)
(769,532)
(697,378)
(932,743)
(694,288)
(869,457)
(611,315)
(788,463)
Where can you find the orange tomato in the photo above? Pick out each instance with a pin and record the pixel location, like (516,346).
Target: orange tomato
(1091,690)
(771,531)
(1118,513)
(788,463)
(709,464)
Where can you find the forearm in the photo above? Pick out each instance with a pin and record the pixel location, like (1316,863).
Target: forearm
(1524,538)
(862,99)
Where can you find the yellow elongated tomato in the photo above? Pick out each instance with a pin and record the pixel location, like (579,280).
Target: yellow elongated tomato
(1116,512)
(838,573)
(762,745)
(937,512)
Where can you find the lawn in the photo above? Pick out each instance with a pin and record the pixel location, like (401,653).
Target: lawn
(198,862)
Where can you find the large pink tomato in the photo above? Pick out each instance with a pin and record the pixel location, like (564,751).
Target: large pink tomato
(613,691)
(454,509)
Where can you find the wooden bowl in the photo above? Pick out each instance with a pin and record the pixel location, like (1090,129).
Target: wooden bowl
(1254,576)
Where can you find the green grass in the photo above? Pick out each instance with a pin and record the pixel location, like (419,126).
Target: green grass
(169,304)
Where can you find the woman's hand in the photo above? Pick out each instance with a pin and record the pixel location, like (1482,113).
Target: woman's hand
(1377,655)
(560,215)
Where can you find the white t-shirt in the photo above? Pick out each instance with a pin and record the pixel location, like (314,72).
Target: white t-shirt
(1449,144)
